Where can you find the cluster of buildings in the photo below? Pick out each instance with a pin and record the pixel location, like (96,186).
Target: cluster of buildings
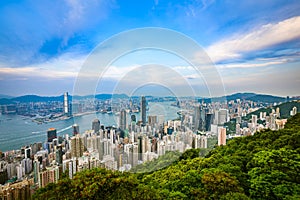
(132,143)
(271,121)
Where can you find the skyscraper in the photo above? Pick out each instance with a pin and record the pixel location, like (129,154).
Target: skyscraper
(123,121)
(28,152)
(199,117)
(143,110)
(221,136)
(96,125)
(222,116)
(59,154)
(152,120)
(67,110)
(51,134)
(208,121)
(75,129)
(254,120)
(77,146)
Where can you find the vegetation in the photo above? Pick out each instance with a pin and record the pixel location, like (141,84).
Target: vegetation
(284,109)
(263,166)
(230,126)
(161,162)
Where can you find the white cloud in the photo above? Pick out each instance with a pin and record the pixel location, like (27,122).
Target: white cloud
(36,72)
(252,65)
(64,66)
(259,38)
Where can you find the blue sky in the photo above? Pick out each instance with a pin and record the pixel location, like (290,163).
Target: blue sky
(255,45)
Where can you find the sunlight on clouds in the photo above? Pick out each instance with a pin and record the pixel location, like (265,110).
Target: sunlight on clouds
(36,72)
(262,37)
(64,66)
(252,65)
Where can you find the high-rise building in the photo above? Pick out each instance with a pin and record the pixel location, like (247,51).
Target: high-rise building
(59,155)
(293,111)
(208,121)
(143,110)
(221,136)
(196,117)
(36,170)
(51,175)
(199,117)
(96,125)
(222,116)
(67,110)
(152,120)
(254,120)
(75,129)
(237,128)
(123,120)
(51,134)
(278,111)
(18,190)
(77,146)
(28,152)
(133,118)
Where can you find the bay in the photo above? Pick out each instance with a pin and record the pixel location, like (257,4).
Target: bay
(17,131)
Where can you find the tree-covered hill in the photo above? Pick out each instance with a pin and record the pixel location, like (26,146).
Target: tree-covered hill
(263,166)
(284,109)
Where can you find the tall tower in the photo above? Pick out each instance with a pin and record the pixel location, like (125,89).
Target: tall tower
(208,121)
(123,121)
(58,155)
(254,120)
(222,116)
(221,136)
(51,134)
(77,146)
(96,125)
(196,117)
(143,110)
(75,129)
(67,110)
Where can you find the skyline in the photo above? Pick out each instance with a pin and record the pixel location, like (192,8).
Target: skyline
(255,46)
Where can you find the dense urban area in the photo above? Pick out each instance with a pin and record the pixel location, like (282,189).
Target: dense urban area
(149,145)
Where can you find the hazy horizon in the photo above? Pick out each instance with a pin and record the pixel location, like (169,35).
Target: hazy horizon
(136,95)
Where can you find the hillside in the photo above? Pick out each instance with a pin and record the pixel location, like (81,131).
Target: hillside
(263,166)
(284,109)
(255,97)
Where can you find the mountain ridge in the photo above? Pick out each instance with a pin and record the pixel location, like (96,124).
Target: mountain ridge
(243,96)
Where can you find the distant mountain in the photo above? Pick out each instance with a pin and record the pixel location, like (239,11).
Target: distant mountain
(246,96)
(36,98)
(109,96)
(3,96)
(243,96)
(256,97)
(101,96)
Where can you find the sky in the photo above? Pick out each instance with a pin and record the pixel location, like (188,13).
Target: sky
(247,46)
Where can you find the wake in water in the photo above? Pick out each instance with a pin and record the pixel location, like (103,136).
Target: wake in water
(59,131)
(64,129)
(36,132)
